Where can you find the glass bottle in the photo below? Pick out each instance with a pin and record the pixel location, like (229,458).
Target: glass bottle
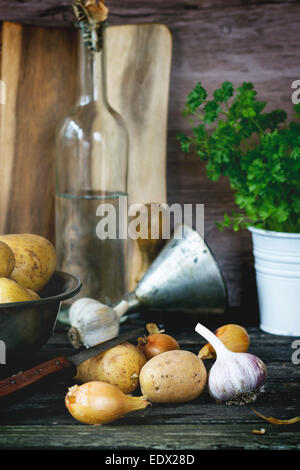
(91,170)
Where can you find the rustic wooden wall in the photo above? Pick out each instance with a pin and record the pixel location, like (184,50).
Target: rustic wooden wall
(214,40)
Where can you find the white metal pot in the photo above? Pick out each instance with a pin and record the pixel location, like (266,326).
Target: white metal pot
(277,265)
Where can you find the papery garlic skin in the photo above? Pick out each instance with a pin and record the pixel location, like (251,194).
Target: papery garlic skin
(93,322)
(241,374)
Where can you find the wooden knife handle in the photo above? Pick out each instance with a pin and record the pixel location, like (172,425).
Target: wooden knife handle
(29,377)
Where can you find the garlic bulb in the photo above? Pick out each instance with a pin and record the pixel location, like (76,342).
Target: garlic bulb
(93,322)
(235,378)
(100,403)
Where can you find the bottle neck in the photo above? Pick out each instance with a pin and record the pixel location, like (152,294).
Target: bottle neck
(92,86)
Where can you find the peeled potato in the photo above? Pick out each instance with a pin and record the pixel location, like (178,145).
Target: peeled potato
(7,260)
(120,366)
(173,376)
(10,291)
(35,260)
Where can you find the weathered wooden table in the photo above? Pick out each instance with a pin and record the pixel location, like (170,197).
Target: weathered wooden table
(41,421)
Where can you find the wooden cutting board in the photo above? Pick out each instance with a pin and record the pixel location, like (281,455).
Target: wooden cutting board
(139,62)
(35,66)
(39,67)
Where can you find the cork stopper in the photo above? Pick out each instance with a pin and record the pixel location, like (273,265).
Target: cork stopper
(91,17)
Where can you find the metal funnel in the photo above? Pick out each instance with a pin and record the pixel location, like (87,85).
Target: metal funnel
(184,276)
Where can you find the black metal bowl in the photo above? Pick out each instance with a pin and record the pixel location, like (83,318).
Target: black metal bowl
(26,326)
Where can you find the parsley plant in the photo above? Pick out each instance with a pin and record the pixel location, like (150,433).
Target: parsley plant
(259,152)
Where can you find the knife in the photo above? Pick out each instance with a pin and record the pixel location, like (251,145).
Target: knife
(61,364)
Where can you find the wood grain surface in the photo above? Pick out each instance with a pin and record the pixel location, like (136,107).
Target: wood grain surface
(213,40)
(59,12)
(138,80)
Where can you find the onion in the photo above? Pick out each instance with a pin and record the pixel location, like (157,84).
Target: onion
(157,342)
(100,403)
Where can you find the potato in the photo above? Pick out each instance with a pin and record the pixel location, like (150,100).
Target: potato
(10,291)
(173,376)
(120,366)
(7,260)
(33,294)
(35,260)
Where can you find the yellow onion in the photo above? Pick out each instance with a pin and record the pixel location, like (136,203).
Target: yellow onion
(234,337)
(157,342)
(100,403)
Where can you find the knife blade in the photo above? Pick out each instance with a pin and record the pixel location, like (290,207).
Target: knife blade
(86,354)
(67,366)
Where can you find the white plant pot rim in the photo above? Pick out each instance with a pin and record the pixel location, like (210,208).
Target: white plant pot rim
(271,233)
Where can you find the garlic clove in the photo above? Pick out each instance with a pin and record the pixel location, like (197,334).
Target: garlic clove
(235,338)
(235,378)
